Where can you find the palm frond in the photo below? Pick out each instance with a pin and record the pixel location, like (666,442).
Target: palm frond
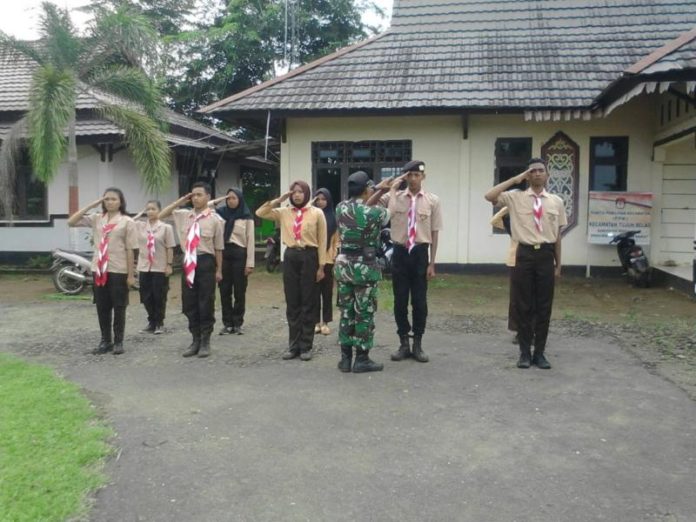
(9,150)
(130,84)
(123,36)
(146,143)
(12,50)
(52,102)
(59,38)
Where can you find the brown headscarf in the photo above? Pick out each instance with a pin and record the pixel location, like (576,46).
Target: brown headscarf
(305,189)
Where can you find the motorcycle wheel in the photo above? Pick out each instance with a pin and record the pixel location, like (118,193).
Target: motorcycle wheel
(65,284)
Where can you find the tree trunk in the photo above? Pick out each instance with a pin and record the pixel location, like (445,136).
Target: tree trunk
(74,193)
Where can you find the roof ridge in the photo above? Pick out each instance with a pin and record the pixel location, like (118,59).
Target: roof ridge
(660,53)
(291,74)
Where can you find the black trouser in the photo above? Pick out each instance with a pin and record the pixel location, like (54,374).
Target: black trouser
(409,278)
(324,309)
(233,282)
(198,303)
(512,312)
(112,298)
(301,294)
(154,287)
(533,278)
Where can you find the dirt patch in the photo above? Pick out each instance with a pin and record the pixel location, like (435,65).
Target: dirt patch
(656,324)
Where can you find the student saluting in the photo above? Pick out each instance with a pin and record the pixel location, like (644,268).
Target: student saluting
(114,238)
(155,254)
(536,218)
(303,231)
(200,234)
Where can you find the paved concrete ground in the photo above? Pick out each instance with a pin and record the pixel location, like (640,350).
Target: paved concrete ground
(466,437)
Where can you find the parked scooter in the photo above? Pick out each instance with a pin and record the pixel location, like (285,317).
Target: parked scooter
(72,271)
(633,259)
(272,255)
(385,251)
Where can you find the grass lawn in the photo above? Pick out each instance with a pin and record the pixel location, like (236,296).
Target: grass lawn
(51,445)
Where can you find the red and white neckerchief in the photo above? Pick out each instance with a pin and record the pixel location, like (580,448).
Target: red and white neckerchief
(102,275)
(538,211)
(193,239)
(411,238)
(297,225)
(151,242)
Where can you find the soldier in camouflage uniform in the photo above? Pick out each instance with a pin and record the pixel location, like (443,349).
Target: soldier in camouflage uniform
(357,273)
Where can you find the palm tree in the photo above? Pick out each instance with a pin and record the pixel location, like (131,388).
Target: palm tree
(107,64)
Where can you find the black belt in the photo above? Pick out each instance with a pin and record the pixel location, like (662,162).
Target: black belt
(417,245)
(301,248)
(364,251)
(539,246)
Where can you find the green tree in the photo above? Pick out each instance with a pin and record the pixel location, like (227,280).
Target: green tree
(108,64)
(243,42)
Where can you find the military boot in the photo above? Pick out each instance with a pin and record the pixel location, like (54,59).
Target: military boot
(194,346)
(540,361)
(105,346)
(346,358)
(525,360)
(418,353)
(363,363)
(204,350)
(404,351)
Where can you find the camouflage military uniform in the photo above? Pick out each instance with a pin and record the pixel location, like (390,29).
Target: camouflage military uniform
(356,271)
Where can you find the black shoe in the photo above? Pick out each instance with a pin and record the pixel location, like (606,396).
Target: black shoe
(150,328)
(238,330)
(290,354)
(118,348)
(227,330)
(418,353)
(193,347)
(525,361)
(204,350)
(404,351)
(346,358)
(306,356)
(105,346)
(363,363)
(540,362)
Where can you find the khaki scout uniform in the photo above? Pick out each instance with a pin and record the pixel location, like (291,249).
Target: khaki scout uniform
(533,276)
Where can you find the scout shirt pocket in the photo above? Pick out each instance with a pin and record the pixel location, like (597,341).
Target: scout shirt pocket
(424,215)
(552,215)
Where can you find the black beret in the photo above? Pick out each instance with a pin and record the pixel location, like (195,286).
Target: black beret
(413,166)
(360,179)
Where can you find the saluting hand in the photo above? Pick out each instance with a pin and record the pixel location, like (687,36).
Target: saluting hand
(385,183)
(524,176)
(396,183)
(285,196)
(96,203)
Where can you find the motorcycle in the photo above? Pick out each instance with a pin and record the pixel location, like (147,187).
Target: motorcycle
(385,251)
(272,255)
(633,259)
(71,271)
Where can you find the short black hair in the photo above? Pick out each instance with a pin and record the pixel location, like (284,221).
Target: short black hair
(536,160)
(156,202)
(202,184)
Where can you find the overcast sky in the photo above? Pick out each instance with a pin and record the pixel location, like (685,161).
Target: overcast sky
(19,17)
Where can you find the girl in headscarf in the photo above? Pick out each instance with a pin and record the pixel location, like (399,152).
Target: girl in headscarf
(324,311)
(237,258)
(303,232)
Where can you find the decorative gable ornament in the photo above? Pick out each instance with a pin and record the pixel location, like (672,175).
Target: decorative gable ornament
(562,157)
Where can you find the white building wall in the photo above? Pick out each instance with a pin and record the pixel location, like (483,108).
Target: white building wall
(94,177)
(461,170)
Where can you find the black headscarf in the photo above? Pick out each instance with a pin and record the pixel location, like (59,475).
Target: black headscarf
(230,215)
(329,214)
